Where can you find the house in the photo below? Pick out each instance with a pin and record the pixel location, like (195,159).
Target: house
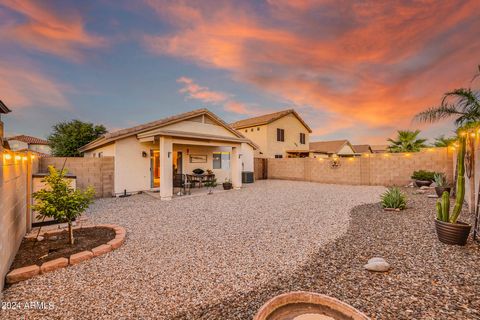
(278,135)
(362,148)
(325,149)
(38,146)
(380,148)
(147,155)
(3,110)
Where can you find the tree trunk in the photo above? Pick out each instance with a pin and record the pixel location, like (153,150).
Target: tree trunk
(70,233)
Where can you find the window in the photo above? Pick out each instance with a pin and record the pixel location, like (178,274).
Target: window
(221,160)
(302,138)
(278,156)
(280,134)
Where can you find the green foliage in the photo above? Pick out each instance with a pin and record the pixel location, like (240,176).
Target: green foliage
(440,179)
(60,201)
(443,142)
(407,141)
(394,198)
(210,184)
(423,175)
(67,137)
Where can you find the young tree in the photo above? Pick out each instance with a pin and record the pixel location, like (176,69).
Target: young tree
(67,137)
(60,201)
(407,141)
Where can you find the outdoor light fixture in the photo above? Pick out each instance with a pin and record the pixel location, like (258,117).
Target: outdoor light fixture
(24,158)
(18,158)
(7,156)
(169,154)
(144,154)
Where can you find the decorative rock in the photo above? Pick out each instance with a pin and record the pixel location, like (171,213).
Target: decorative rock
(53,238)
(376,259)
(40,238)
(21,274)
(52,233)
(54,265)
(424,188)
(377,266)
(104,248)
(81,256)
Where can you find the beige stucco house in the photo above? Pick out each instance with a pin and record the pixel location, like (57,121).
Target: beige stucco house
(326,149)
(3,110)
(38,146)
(278,135)
(146,156)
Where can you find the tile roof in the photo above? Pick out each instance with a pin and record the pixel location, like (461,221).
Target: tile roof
(266,119)
(379,148)
(330,147)
(112,136)
(28,139)
(362,148)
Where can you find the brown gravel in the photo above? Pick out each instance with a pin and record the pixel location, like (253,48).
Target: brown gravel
(429,280)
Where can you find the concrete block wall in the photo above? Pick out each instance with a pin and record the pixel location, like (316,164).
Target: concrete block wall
(374,169)
(95,172)
(15,200)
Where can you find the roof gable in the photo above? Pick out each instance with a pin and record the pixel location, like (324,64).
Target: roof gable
(28,139)
(362,148)
(329,147)
(4,108)
(267,119)
(193,116)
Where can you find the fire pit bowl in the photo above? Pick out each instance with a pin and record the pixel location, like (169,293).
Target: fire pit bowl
(301,305)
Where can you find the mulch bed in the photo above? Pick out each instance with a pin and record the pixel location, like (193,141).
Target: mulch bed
(33,252)
(428,280)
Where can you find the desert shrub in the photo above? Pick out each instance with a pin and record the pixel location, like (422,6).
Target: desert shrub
(423,175)
(394,198)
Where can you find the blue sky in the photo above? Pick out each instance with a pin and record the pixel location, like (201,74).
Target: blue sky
(352,71)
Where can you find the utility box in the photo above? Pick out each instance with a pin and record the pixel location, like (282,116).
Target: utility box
(247,177)
(37,185)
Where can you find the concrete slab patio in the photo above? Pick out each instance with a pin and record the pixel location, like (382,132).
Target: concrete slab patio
(195,251)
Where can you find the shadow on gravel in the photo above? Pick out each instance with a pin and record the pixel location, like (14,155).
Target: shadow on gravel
(428,279)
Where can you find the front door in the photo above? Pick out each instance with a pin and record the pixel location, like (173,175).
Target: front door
(155,168)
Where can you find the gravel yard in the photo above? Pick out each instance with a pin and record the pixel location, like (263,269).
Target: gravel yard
(429,280)
(219,256)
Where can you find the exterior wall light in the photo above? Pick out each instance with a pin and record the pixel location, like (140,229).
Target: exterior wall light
(144,154)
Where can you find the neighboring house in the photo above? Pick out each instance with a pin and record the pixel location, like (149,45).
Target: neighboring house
(325,149)
(380,148)
(362,148)
(278,135)
(3,110)
(147,155)
(28,143)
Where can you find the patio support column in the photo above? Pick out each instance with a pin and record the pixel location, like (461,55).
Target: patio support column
(166,168)
(236,168)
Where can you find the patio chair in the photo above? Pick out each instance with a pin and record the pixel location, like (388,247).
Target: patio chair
(192,180)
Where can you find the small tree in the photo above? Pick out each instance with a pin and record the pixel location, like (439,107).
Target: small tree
(67,137)
(60,201)
(442,141)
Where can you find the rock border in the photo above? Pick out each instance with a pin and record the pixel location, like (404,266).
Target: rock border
(27,272)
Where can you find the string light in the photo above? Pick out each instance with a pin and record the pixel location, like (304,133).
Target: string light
(17,157)
(24,158)
(7,156)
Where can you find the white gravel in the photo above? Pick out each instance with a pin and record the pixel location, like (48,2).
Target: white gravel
(189,252)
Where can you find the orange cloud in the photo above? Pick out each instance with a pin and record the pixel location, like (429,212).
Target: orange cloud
(28,88)
(372,64)
(44,30)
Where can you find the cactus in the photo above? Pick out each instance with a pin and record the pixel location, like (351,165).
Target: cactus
(443,205)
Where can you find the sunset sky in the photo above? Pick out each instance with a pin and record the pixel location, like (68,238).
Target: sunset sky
(353,69)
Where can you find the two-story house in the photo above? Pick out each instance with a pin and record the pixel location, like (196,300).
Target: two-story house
(279,135)
(3,110)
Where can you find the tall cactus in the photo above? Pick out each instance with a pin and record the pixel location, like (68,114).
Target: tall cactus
(460,181)
(443,205)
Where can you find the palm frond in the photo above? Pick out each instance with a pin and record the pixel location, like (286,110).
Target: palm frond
(435,114)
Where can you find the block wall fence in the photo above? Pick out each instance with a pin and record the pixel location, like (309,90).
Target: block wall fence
(388,169)
(95,172)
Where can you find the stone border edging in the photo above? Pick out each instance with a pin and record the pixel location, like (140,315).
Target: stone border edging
(24,273)
(296,297)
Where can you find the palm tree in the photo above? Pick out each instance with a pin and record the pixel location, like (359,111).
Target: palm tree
(464,104)
(407,141)
(443,142)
